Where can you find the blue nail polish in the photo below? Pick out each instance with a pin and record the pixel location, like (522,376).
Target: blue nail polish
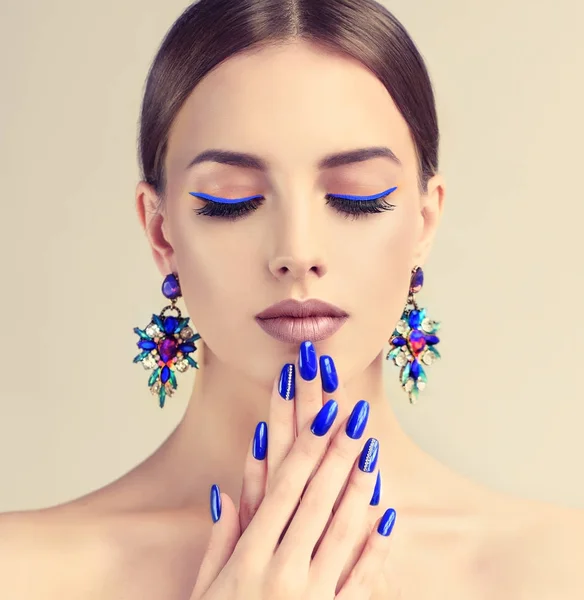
(368,459)
(377,491)
(387,522)
(307,361)
(328,374)
(215,503)
(358,420)
(325,418)
(286,384)
(260,441)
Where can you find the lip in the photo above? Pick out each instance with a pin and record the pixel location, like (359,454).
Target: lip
(294,321)
(295,308)
(298,329)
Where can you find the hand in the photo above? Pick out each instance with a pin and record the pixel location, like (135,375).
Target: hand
(309,384)
(287,551)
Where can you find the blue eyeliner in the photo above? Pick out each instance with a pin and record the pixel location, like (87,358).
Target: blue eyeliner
(223,200)
(248,198)
(374,197)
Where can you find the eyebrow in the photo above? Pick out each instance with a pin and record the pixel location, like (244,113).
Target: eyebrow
(252,161)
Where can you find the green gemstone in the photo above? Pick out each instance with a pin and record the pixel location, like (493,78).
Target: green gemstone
(434,350)
(141,356)
(173,379)
(162,396)
(154,377)
(191,361)
(393,353)
(422,376)
(141,333)
(405,373)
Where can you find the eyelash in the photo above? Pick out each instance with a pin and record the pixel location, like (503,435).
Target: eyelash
(351,209)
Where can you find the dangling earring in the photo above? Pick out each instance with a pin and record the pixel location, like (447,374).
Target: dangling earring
(414,341)
(166,343)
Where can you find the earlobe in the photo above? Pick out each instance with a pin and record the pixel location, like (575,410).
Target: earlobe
(152,221)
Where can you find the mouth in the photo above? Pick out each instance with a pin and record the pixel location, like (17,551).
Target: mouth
(294,321)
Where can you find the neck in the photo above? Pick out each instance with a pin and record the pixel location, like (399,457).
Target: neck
(211,443)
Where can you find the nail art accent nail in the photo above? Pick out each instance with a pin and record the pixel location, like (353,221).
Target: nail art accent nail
(260,441)
(377,491)
(286,387)
(307,361)
(387,522)
(328,374)
(215,503)
(358,420)
(368,459)
(325,418)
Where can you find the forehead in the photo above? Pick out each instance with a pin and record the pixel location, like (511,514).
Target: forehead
(289,103)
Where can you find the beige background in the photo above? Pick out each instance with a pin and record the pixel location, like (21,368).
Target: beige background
(505,406)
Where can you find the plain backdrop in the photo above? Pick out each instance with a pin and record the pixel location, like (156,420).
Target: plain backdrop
(505,406)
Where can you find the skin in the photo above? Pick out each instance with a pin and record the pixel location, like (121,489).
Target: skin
(146,533)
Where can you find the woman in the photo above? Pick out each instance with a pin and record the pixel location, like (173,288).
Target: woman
(289,153)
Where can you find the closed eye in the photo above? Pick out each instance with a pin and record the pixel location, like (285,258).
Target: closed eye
(347,204)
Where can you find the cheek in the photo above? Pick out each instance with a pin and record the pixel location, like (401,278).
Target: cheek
(379,266)
(214,269)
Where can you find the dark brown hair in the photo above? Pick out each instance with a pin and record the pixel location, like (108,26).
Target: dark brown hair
(210,31)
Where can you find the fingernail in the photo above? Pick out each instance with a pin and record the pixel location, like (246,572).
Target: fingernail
(328,374)
(325,418)
(215,503)
(260,441)
(286,384)
(387,522)
(307,361)
(358,420)
(377,491)
(368,459)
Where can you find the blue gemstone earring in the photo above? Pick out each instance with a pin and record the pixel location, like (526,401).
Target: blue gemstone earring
(414,341)
(166,344)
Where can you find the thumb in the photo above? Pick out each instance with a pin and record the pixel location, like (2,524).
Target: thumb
(225,534)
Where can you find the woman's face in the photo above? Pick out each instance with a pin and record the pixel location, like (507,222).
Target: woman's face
(291,106)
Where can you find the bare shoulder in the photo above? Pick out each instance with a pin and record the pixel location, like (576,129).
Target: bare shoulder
(553,551)
(534,551)
(48,556)
(70,554)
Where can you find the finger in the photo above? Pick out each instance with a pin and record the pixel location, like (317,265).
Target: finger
(254,476)
(320,496)
(361,580)
(281,419)
(224,537)
(344,403)
(308,386)
(330,387)
(344,532)
(358,548)
(281,499)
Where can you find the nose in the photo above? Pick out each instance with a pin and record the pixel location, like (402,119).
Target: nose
(297,243)
(296,267)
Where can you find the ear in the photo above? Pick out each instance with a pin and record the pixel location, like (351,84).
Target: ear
(431,206)
(152,219)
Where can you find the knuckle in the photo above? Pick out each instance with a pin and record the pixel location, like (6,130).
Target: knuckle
(343,448)
(359,484)
(282,488)
(247,566)
(340,529)
(306,448)
(284,580)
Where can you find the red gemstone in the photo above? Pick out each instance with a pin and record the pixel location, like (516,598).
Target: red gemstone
(417,341)
(167,349)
